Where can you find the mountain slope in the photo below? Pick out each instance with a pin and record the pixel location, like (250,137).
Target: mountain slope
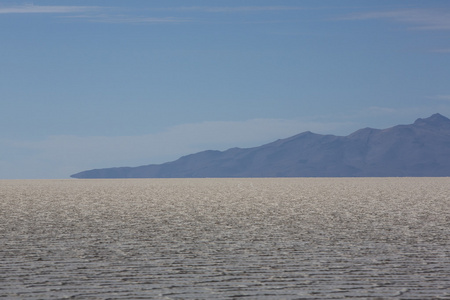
(419,149)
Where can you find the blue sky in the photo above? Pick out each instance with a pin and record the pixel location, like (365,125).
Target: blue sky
(93,84)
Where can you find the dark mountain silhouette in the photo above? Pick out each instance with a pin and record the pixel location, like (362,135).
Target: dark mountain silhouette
(419,149)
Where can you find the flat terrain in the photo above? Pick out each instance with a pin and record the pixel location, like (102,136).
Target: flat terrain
(292,238)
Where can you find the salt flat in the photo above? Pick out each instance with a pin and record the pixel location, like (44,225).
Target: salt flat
(290,238)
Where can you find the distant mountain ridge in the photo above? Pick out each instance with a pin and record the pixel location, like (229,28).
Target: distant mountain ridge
(418,149)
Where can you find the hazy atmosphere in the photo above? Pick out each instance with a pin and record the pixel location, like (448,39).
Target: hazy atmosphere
(94,84)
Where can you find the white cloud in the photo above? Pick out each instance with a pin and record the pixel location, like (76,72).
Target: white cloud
(61,156)
(116,15)
(92,14)
(229,9)
(425,19)
(122,19)
(207,9)
(38,9)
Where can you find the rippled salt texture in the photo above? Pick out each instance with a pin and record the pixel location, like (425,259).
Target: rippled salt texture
(291,238)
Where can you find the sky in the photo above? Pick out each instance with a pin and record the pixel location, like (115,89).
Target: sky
(110,83)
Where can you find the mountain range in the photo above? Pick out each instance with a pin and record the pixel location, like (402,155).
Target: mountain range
(418,149)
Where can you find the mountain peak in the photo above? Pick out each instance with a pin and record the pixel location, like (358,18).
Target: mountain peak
(363,133)
(434,120)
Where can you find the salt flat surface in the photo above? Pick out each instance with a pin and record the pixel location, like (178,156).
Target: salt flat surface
(292,238)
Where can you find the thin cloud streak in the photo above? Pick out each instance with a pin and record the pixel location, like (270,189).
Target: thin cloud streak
(96,14)
(423,19)
(38,9)
(238,9)
(90,16)
(122,19)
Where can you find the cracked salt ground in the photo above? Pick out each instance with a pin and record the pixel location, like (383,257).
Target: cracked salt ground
(291,238)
